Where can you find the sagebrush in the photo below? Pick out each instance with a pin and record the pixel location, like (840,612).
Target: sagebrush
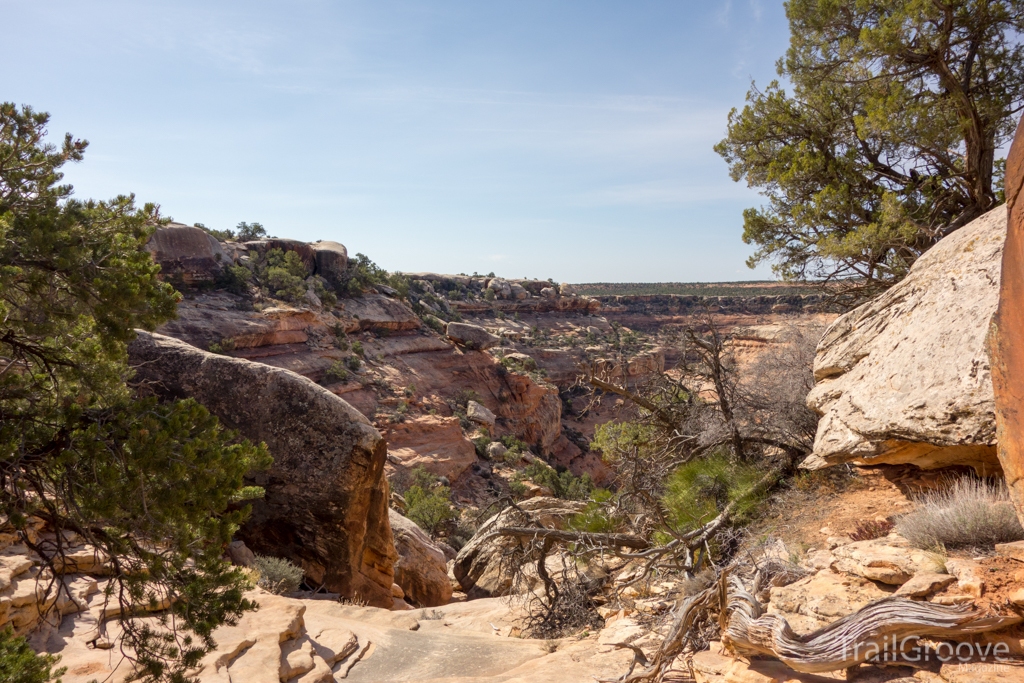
(969,513)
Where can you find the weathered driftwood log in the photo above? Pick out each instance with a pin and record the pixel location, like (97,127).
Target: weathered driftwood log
(863,635)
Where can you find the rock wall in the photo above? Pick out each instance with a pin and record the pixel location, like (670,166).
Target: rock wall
(1008,333)
(326,497)
(677,304)
(906,377)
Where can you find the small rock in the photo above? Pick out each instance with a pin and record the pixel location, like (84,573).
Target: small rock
(396,591)
(1017,597)
(952,599)
(239,554)
(1014,551)
(925,583)
(496,450)
(967,573)
(479,414)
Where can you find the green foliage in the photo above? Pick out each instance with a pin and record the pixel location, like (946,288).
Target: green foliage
(337,372)
(249,231)
(481,443)
(887,139)
(489,295)
(277,574)
(697,491)
(246,232)
(434,323)
(154,486)
(20,664)
(223,346)
(357,348)
(353,362)
(595,518)
(363,274)
(562,484)
(431,508)
(617,439)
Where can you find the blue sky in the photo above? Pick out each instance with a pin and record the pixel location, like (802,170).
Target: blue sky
(545,139)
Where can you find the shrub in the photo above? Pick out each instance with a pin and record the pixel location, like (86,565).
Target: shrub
(357,347)
(481,443)
(337,372)
(970,513)
(20,664)
(562,484)
(277,574)
(595,518)
(352,362)
(431,509)
(489,294)
(697,491)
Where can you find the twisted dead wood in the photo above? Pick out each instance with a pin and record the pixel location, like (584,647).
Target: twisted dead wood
(851,640)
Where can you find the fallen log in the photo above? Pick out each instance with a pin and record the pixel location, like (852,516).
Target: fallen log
(881,627)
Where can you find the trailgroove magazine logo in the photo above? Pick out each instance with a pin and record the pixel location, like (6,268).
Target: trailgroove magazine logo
(909,649)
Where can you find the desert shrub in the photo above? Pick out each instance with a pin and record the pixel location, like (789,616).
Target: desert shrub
(489,295)
(697,491)
(430,508)
(363,274)
(20,664)
(277,574)
(357,347)
(434,323)
(871,529)
(596,517)
(337,372)
(353,363)
(481,443)
(223,346)
(249,231)
(562,484)
(970,513)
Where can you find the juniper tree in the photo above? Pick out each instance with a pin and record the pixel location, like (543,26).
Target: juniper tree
(886,138)
(155,487)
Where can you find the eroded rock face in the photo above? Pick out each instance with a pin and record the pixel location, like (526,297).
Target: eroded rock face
(906,378)
(433,442)
(331,260)
(325,504)
(1008,333)
(188,253)
(421,569)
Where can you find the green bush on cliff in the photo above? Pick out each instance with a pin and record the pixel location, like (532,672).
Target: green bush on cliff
(157,487)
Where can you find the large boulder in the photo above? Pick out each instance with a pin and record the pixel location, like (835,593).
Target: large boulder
(905,378)
(326,497)
(331,260)
(421,569)
(190,254)
(478,567)
(471,336)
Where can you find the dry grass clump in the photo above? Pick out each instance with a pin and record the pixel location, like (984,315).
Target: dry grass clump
(970,513)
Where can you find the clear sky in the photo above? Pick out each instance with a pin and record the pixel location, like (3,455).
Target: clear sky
(564,139)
